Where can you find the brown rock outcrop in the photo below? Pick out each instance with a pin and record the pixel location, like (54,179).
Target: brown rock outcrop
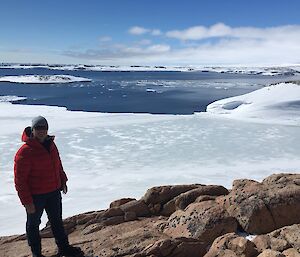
(280,240)
(204,221)
(232,244)
(263,207)
(271,253)
(179,247)
(156,197)
(199,216)
(125,239)
(181,201)
(138,207)
(128,211)
(119,202)
(291,252)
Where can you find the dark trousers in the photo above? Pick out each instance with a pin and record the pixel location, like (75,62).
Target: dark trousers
(51,203)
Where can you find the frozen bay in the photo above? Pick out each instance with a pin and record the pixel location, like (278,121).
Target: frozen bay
(109,156)
(113,155)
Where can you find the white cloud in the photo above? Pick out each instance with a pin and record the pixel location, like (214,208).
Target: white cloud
(144,42)
(137,30)
(142,51)
(119,53)
(156,32)
(192,33)
(105,39)
(222,45)
(237,51)
(222,30)
(230,51)
(200,32)
(160,48)
(230,45)
(219,30)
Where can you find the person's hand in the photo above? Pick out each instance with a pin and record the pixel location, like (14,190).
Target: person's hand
(64,188)
(30,208)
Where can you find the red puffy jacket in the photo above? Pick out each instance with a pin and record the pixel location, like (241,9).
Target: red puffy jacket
(36,170)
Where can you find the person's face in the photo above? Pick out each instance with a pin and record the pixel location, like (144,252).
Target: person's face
(40,133)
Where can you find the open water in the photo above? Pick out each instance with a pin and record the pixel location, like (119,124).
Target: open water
(135,92)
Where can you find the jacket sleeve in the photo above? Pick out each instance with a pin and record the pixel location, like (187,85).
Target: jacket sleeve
(22,167)
(63,175)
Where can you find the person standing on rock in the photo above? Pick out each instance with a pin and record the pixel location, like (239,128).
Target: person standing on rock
(39,179)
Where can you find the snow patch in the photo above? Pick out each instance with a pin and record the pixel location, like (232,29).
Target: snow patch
(249,237)
(273,104)
(232,105)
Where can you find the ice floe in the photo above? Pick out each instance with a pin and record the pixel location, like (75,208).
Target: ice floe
(11,98)
(43,79)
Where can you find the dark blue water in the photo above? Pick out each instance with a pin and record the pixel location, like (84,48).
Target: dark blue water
(135,92)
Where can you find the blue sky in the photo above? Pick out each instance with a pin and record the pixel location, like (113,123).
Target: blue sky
(142,32)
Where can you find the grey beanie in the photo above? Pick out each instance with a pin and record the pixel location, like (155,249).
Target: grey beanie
(39,121)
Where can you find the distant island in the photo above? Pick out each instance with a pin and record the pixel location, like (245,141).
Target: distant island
(288,70)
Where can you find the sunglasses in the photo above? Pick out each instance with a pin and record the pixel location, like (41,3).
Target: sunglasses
(41,128)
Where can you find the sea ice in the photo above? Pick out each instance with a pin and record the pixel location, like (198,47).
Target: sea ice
(11,98)
(109,156)
(43,79)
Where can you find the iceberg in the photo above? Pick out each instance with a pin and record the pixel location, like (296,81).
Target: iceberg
(43,79)
(151,90)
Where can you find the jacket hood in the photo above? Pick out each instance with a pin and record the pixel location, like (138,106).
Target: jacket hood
(27,135)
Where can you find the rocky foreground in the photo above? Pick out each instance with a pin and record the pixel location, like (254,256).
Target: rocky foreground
(188,221)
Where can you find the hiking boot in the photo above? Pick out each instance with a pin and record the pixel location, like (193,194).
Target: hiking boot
(71,251)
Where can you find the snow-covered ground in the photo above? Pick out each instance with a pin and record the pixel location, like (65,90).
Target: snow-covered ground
(255,70)
(278,103)
(43,79)
(109,156)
